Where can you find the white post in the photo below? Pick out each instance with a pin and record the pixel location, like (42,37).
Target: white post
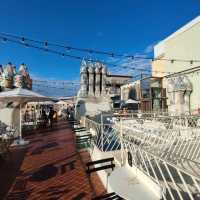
(102,132)
(122,149)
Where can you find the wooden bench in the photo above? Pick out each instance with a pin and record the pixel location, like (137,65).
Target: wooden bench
(107,164)
(109,196)
(83,138)
(83,141)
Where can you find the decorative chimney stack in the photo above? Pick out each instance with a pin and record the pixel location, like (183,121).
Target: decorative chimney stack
(84,80)
(8,75)
(103,81)
(97,79)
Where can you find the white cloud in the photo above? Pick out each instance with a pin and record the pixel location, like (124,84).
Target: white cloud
(55,88)
(149,49)
(129,66)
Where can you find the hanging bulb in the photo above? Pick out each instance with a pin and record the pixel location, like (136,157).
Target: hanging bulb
(23,40)
(68,49)
(46,45)
(4,40)
(26,45)
(191,62)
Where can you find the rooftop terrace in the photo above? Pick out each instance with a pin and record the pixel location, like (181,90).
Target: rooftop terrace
(50,167)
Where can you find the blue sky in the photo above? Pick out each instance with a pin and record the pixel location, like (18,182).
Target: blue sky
(124,26)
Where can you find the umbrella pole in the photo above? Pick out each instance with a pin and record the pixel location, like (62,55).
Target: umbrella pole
(20,121)
(21,141)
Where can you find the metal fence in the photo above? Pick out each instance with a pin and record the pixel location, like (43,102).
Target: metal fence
(165,148)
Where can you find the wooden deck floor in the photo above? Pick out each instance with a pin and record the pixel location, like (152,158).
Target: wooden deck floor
(50,168)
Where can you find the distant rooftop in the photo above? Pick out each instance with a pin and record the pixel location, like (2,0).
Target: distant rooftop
(118,75)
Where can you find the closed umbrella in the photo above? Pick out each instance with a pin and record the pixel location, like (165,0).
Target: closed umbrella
(130,104)
(42,103)
(21,96)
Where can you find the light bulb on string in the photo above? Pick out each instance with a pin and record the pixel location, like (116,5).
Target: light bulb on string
(26,45)
(68,49)
(46,45)
(4,40)
(23,40)
(112,55)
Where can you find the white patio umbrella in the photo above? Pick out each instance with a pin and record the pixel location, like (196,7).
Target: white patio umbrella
(41,103)
(21,96)
(130,101)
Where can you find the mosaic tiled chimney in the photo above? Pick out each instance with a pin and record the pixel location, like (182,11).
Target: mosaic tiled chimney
(93,79)
(11,78)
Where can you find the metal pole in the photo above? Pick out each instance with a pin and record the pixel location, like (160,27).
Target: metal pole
(102,132)
(122,149)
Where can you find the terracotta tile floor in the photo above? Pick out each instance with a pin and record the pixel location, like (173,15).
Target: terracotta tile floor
(52,169)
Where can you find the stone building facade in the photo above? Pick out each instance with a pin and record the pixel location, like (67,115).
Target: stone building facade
(179,89)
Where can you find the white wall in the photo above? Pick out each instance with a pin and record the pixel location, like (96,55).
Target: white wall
(183,44)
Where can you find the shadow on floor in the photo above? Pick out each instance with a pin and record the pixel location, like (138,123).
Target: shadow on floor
(9,169)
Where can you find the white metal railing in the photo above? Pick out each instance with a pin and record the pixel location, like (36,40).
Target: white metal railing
(172,138)
(176,182)
(165,148)
(104,136)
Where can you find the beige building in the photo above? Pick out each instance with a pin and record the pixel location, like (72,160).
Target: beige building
(181,51)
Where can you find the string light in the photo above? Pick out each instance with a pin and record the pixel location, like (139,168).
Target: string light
(4,39)
(23,40)
(46,45)
(68,49)
(112,54)
(77,57)
(26,45)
